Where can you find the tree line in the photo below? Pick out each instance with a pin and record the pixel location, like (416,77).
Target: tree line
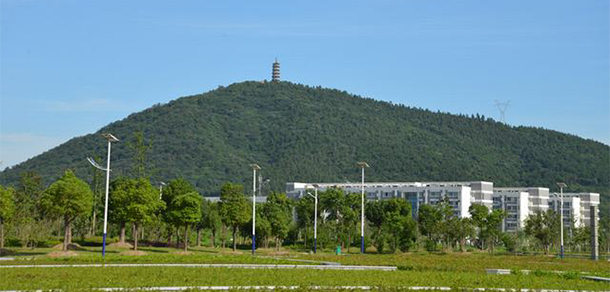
(178,212)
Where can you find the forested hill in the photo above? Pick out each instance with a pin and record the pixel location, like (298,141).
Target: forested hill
(301,133)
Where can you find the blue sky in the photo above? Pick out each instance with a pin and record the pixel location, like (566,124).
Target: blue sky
(67,68)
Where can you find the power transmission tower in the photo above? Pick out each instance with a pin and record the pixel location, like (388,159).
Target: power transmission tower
(502,107)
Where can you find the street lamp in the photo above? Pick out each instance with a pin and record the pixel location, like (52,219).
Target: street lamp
(561,186)
(362,166)
(255,167)
(110,139)
(315,218)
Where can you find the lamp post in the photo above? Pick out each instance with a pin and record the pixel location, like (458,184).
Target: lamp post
(255,167)
(561,186)
(362,166)
(315,218)
(110,139)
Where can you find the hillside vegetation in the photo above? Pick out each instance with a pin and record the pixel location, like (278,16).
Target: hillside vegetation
(301,133)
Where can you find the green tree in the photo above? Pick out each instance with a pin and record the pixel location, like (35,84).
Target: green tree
(277,212)
(68,198)
(493,228)
(399,223)
(234,207)
(375,214)
(392,223)
(350,218)
(140,202)
(333,202)
(544,226)
(185,211)
(429,219)
(139,150)
(121,190)
(604,233)
(304,209)
(488,224)
(28,225)
(263,228)
(7,209)
(210,219)
(175,188)
(460,229)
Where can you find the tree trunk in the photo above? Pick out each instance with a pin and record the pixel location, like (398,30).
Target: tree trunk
(305,237)
(1,234)
(169,236)
(186,237)
(198,237)
(122,234)
(68,226)
(177,237)
(70,234)
(234,239)
(213,239)
(349,241)
(92,233)
(135,236)
(222,236)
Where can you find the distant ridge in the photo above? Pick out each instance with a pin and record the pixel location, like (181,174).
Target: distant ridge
(302,133)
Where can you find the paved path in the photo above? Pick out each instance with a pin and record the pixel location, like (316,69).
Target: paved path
(239,266)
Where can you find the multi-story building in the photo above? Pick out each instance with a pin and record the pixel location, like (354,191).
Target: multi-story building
(571,209)
(459,195)
(538,197)
(516,205)
(578,204)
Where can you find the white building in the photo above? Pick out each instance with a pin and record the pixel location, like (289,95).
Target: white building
(538,197)
(578,204)
(571,209)
(458,194)
(516,205)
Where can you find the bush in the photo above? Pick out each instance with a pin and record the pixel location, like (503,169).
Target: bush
(510,242)
(95,241)
(430,245)
(48,242)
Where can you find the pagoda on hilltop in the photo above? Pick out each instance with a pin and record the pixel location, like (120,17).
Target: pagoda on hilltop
(275,73)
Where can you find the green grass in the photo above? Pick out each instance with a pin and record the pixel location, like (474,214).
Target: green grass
(154,255)
(467,262)
(415,269)
(72,278)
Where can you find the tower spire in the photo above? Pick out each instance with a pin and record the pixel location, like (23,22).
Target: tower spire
(275,73)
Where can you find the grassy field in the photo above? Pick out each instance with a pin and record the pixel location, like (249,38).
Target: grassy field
(415,269)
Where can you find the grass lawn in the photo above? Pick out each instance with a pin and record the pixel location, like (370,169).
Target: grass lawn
(415,269)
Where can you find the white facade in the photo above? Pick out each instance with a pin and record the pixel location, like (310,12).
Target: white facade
(586,200)
(538,197)
(516,205)
(571,209)
(458,195)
